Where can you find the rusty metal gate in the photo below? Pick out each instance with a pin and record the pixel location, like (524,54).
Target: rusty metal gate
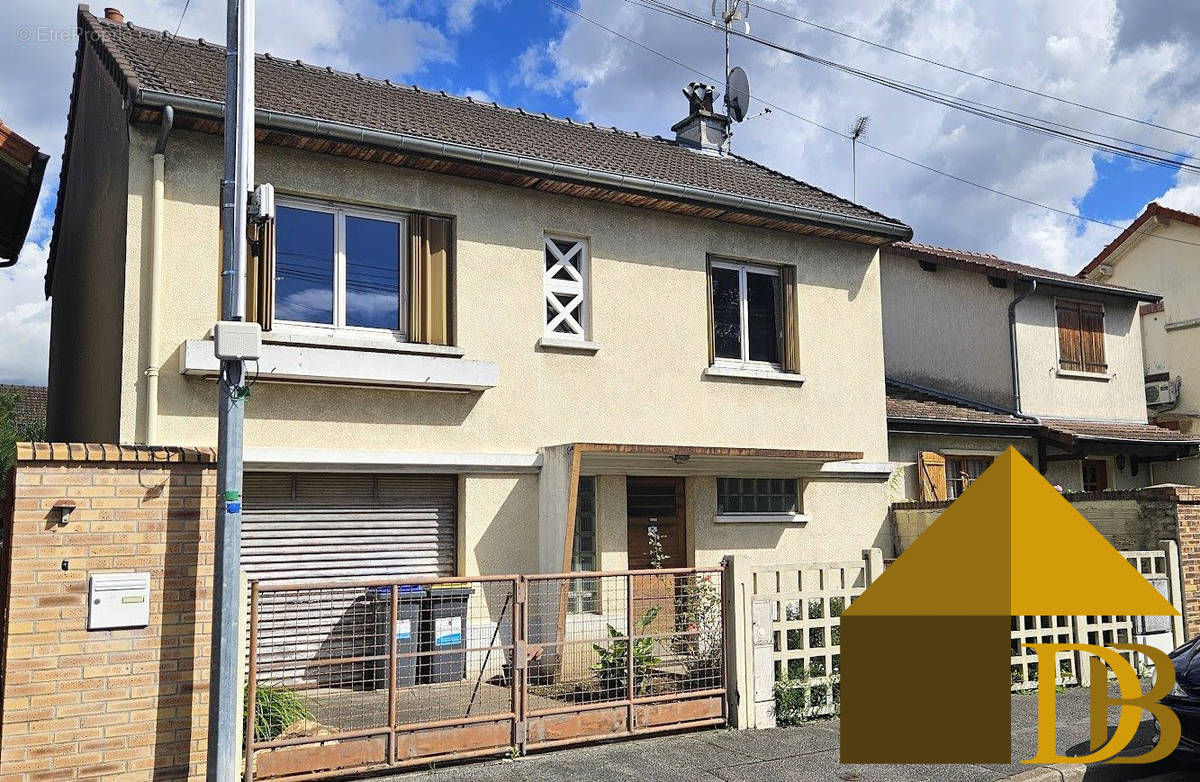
(346,676)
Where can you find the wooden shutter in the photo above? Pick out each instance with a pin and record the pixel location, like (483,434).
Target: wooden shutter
(712,339)
(791,321)
(1070,338)
(932,468)
(260,277)
(430,279)
(1091,327)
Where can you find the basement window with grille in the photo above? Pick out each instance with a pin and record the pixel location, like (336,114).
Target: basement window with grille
(566,291)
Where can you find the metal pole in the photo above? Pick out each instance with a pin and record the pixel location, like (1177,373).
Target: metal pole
(224,687)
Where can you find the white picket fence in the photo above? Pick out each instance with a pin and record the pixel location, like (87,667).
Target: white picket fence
(787,631)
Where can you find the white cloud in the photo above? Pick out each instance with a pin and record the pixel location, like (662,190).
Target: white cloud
(1085,54)
(387,40)
(24,319)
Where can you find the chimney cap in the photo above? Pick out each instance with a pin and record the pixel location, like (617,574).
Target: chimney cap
(114,15)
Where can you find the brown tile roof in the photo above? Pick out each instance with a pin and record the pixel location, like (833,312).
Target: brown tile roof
(908,402)
(155,61)
(1152,210)
(22,167)
(1072,431)
(991,265)
(29,409)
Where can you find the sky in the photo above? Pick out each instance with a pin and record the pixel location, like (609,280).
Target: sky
(1116,55)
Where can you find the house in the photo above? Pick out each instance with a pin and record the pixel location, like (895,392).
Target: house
(982,353)
(21,169)
(27,407)
(1158,251)
(503,342)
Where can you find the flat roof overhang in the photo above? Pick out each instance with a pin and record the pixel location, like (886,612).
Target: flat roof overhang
(664,460)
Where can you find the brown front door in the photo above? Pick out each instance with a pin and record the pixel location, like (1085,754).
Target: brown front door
(655,504)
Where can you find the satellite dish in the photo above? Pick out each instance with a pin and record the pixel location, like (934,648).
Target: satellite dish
(737,94)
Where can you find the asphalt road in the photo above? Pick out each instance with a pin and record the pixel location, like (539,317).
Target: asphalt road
(808,753)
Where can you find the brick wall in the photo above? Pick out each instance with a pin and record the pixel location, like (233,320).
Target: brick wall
(111,703)
(1188,519)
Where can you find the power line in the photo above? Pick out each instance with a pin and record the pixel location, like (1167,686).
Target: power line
(1090,139)
(881,150)
(170,42)
(973,74)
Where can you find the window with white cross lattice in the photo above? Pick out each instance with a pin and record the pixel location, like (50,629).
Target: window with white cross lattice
(565,287)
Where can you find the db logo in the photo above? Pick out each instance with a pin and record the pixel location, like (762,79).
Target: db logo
(1009,546)
(1132,703)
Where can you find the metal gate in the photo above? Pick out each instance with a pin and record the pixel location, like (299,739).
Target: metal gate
(412,672)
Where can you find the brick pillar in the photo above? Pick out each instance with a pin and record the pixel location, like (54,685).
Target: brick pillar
(128,703)
(1187,515)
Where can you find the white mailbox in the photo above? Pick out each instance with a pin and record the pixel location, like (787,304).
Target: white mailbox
(118,600)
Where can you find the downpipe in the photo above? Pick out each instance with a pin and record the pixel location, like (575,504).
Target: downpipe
(157,202)
(1012,344)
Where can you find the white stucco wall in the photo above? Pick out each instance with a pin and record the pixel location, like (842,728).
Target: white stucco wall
(649,315)
(1165,261)
(1045,391)
(946,329)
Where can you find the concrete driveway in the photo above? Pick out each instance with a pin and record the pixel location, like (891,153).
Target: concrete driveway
(809,753)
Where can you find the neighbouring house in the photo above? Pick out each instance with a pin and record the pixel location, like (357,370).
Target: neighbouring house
(982,353)
(1158,251)
(507,342)
(21,169)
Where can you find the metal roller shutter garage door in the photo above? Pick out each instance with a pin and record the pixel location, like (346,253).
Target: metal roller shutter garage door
(330,525)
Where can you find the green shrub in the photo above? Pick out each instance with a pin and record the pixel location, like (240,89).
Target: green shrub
(275,710)
(613,667)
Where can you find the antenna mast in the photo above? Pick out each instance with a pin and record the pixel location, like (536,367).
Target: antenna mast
(728,12)
(857,131)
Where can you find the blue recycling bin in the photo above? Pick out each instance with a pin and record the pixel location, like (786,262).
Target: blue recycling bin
(404,631)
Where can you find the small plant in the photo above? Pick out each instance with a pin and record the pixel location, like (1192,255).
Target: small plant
(700,616)
(658,557)
(275,710)
(803,694)
(514,752)
(613,666)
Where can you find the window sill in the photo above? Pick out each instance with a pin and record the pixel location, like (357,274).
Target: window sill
(350,367)
(351,341)
(572,345)
(1103,377)
(761,518)
(746,373)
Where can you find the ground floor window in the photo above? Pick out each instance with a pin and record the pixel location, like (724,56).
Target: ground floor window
(757,495)
(1095,475)
(962,471)
(582,596)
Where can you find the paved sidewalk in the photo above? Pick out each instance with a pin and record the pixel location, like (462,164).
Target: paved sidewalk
(808,753)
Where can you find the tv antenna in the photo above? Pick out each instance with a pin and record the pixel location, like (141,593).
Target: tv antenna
(737,86)
(857,131)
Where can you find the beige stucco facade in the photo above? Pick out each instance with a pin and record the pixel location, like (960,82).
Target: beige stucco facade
(1161,257)
(645,384)
(948,329)
(648,299)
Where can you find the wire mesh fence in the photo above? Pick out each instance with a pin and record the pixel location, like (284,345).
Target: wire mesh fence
(348,675)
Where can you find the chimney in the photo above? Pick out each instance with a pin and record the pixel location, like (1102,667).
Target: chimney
(114,15)
(702,129)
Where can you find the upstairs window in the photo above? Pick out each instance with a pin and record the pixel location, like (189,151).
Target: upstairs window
(752,315)
(1080,336)
(344,267)
(335,267)
(565,287)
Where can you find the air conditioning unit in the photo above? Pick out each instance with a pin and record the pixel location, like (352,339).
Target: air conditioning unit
(1160,392)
